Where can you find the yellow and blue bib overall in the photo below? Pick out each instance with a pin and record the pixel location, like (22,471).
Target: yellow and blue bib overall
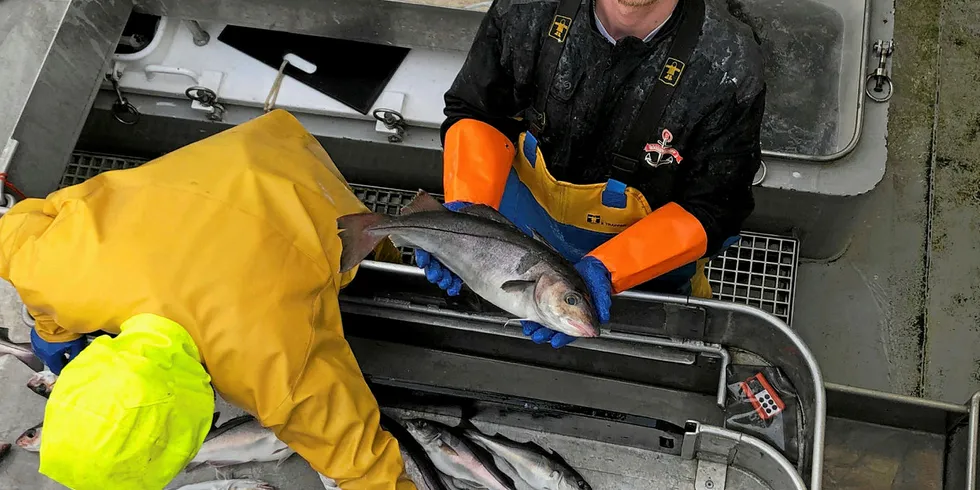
(575,219)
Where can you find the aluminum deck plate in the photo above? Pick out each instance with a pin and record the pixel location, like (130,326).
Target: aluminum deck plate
(759,270)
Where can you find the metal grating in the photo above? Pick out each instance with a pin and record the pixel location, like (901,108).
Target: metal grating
(759,270)
(85,165)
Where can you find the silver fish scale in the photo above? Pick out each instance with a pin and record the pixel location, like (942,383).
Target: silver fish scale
(759,270)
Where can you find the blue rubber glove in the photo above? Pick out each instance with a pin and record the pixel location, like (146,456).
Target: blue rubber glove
(435,272)
(56,354)
(600,288)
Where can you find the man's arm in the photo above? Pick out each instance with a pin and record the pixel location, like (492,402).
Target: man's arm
(713,196)
(479,129)
(716,186)
(331,418)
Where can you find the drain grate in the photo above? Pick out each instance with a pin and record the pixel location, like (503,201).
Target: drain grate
(759,270)
(85,165)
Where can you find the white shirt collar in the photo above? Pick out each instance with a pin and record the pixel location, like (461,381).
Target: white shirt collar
(605,33)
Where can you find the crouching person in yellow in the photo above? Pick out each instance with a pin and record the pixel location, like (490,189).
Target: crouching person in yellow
(216,265)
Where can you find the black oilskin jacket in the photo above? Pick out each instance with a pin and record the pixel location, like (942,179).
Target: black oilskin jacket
(715,114)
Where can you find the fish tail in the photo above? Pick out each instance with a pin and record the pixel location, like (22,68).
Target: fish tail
(358,238)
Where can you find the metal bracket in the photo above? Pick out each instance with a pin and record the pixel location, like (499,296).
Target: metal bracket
(205,98)
(882,82)
(710,475)
(122,109)
(204,92)
(388,116)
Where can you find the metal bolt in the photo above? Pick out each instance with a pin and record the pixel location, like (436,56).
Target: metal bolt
(709,484)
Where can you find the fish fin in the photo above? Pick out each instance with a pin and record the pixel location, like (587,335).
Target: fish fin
(192,466)
(467,411)
(517,286)
(423,201)
(283,460)
(550,453)
(356,237)
(537,447)
(484,211)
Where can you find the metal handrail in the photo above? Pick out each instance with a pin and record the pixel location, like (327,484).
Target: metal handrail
(819,397)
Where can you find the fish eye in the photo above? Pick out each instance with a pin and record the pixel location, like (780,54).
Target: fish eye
(571,299)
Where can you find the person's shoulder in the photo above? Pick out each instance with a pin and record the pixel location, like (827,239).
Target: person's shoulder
(731,50)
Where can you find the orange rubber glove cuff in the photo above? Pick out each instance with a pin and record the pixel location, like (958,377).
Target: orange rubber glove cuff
(664,240)
(476,162)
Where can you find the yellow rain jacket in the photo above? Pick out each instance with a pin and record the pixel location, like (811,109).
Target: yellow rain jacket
(234,238)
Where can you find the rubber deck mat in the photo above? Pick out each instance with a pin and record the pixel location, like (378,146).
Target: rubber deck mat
(759,270)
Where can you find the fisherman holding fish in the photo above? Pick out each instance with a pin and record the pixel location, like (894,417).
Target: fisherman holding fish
(216,267)
(636,146)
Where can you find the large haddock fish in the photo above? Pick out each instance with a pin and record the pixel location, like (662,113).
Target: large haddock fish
(517,273)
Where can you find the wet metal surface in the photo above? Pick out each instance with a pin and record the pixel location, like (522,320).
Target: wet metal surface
(863,314)
(899,311)
(861,456)
(804,39)
(952,339)
(52,55)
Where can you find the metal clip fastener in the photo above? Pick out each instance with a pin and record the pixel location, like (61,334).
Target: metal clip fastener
(392,120)
(882,82)
(124,111)
(207,98)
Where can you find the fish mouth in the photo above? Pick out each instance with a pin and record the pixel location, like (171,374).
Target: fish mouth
(584,329)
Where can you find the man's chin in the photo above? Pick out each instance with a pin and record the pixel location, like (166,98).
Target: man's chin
(638,3)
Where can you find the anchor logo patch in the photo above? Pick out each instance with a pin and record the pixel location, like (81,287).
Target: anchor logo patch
(665,153)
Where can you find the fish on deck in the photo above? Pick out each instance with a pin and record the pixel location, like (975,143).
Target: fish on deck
(541,469)
(238,441)
(30,440)
(240,484)
(42,383)
(458,457)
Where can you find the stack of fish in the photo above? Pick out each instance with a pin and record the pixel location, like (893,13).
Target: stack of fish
(468,459)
